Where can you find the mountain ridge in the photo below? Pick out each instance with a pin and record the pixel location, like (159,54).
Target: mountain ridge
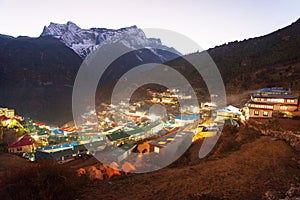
(85,41)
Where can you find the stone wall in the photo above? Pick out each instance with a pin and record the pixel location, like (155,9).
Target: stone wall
(292,138)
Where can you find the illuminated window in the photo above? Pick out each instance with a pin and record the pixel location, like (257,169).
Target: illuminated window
(161,142)
(170,139)
(261,106)
(156,149)
(283,108)
(256,112)
(290,100)
(276,100)
(265,113)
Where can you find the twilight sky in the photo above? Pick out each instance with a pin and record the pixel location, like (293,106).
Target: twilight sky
(209,23)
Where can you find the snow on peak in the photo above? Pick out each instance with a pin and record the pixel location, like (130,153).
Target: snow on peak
(84,41)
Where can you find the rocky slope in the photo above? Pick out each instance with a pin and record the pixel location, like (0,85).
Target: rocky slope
(85,41)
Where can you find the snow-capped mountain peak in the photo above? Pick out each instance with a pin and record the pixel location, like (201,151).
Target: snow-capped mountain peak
(84,41)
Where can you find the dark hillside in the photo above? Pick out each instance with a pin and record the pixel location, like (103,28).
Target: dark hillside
(270,60)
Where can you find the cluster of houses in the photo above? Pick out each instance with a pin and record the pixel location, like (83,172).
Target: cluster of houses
(170,96)
(141,132)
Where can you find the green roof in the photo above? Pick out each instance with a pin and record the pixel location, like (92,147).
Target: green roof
(144,128)
(117,135)
(107,129)
(120,134)
(57,154)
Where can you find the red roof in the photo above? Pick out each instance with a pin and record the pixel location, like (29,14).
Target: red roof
(22,141)
(68,129)
(4,118)
(39,123)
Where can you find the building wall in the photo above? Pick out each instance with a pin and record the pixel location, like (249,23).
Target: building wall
(157,128)
(179,122)
(259,113)
(156,149)
(283,108)
(290,101)
(27,149)
(2,111)
(10,113)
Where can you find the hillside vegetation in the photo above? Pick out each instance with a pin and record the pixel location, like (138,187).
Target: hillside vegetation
(266,61)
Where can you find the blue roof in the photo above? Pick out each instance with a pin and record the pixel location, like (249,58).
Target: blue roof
(39,149)
(286,96)
(187,117)
(272,90)
(73,144)
(65,145)
(57,131)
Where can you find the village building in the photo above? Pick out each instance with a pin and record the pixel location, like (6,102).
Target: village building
(10,113)
(271,102)
(22,144)
(121,153)
(119,137)
(183,120)
(229,112)
(145,131)
(4,121)
(173,140)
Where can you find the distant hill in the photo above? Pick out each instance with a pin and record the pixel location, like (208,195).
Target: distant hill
(36,75)
(266,61)
(270,60)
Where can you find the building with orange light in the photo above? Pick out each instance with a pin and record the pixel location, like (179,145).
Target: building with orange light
(272,102)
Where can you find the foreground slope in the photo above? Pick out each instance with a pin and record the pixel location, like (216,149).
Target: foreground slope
(262,164)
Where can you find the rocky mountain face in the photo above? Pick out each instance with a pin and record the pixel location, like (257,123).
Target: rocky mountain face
(85,41)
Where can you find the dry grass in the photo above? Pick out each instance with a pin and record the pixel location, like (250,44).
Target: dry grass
(243,170)
(46,180)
